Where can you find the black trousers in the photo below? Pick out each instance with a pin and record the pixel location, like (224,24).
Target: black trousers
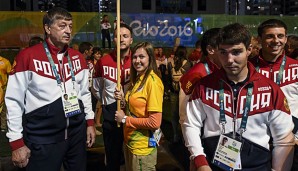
(112,137)
(295,161)
(70,153)
(113,141)
(105,34)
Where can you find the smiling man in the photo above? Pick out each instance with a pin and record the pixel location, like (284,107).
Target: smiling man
(44,132)
(274,64)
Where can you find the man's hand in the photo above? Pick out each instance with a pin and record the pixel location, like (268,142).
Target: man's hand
(204,168)
(20,156)
(90,136)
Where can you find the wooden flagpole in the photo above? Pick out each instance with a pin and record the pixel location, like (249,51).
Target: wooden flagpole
(118,56)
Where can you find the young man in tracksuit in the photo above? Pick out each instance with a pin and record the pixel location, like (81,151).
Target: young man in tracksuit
(238,103)
(209,63)
(104,85)
(275,65)
(206,66)
(44,132)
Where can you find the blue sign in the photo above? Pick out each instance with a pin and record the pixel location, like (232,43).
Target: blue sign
(162,30)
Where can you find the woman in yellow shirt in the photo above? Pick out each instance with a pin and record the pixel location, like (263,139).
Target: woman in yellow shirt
(143,116)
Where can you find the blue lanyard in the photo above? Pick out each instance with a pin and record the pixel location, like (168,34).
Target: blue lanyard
(57,76)
(281,69)
(246,108)
(207,68)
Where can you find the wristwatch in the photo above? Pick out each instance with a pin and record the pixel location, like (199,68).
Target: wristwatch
(124,119)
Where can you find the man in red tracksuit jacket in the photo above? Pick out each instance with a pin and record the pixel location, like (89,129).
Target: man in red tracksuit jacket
(239,103)
(275,65)
(45,132)
(206,66)
(104,85)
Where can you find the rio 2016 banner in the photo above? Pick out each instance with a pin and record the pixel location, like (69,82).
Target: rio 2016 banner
(160,29)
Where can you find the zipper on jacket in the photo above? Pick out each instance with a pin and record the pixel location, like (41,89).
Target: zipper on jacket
(239,92)
(67,124)
(234,110)
(271,73)
(63,82)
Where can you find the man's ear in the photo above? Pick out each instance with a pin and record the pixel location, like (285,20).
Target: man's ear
(47,29)
(210,50)
(131,40)
(249,49)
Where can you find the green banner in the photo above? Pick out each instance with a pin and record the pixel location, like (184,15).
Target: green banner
(160,29)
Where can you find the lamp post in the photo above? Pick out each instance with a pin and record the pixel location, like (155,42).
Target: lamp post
(237,6)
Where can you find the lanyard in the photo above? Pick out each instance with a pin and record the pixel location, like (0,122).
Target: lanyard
(281,69)
(54,66)
(207,68)
(246,108)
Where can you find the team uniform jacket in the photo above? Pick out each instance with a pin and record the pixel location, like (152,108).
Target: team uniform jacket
(33,91)
(194,74)
(188,82)
(269,114)
(289,81)
(105,78)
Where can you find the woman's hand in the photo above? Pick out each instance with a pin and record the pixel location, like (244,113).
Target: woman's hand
(119,115)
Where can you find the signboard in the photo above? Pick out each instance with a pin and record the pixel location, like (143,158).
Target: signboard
(160,29)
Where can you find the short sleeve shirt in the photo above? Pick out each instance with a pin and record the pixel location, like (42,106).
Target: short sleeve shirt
(141,101)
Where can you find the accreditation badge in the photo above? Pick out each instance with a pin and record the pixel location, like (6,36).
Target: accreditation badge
(227,154)
(71,104)
(157,134)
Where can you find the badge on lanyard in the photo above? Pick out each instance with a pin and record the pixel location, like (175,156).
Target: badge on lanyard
(71,105)
(227,154)
(70,101)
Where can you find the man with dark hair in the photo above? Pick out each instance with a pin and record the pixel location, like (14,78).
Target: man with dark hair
(206,66)
(224,141)
(86,49)
(275,65)
(44,132)
(291,47)
(104,85)
(208,63)
(242,105)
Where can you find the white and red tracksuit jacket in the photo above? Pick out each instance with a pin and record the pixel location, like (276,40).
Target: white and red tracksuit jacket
(289,81)
(105,80)
(269,114)
(188,82)
(194,74)
(33,91)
